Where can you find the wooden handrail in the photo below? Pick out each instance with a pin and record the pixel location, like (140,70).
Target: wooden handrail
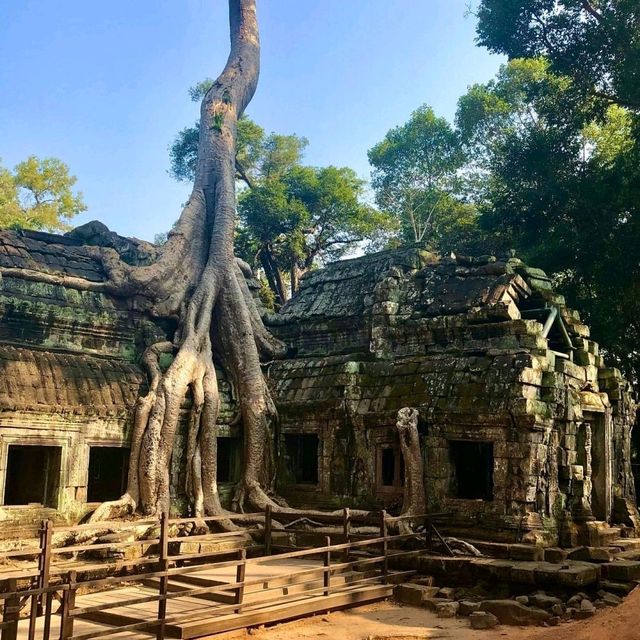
(314,580)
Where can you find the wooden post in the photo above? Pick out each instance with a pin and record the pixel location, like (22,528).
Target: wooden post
(44,577)
(346,531)
(11,614)
(164,579)
(36,598)
(267,530)
(385,546)
(68,604)
(241,572)
(428,533)
(327,566)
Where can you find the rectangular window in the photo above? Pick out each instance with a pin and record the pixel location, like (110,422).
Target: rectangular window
(108,469)
(33,475)
(472,469)
(301,451)
(389,468)
(228,459)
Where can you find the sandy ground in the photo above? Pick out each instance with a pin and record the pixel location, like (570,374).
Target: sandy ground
(389,621)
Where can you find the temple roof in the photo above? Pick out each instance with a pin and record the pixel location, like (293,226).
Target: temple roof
(46,381)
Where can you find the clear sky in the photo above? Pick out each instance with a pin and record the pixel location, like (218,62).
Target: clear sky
(103,85)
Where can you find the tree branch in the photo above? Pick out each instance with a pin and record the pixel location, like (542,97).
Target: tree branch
(592,11)
(243,175)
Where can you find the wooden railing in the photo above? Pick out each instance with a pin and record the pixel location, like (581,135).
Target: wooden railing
(51,580)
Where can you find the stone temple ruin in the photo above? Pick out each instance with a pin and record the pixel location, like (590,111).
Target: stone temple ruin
(525,432)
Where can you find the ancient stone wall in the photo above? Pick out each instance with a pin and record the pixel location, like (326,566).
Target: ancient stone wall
(525,433)
(505,379)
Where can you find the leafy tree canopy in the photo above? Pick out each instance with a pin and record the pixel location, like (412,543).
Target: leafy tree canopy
(595,42)
(417,176)
(560,182)
(38,194)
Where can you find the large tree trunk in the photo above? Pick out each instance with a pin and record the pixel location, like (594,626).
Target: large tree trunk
(197,280)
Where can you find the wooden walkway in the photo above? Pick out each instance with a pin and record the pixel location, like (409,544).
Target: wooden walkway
(197,595)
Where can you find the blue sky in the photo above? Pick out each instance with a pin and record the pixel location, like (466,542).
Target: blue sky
(103,85)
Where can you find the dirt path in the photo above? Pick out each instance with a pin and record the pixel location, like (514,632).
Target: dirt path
(390,621)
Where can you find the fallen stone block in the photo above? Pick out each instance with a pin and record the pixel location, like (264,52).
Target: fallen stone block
(591,554)
(622,588)
(543,601)
(447,609)
(586,610)
(610,599)
(466,607)
(483,620)
(621,570)
(446,592)
(574,601)
(513,613)
(555,555)
(413,594)
(432,603)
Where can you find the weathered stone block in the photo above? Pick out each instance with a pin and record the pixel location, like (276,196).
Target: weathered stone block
(621,570)
(447,609)
(414,594)
(591,554)
(483,620)
(467,607)
(511,612)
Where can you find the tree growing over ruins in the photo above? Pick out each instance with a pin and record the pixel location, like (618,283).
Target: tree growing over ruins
(291,217)
(198,282)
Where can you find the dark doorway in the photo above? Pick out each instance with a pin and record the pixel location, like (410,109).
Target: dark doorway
(108,469)
(228,459)
(601,468)
(33,475)
(302,457)
(472,469)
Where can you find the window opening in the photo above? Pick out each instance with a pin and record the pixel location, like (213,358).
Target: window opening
(472,469)
(33,475)
(302,457)
(390,468)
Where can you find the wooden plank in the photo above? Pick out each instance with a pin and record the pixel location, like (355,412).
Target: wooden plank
(288,611)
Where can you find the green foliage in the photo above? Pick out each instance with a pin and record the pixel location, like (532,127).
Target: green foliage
(257,154)
(301,215)
(200,89)
(557,177)
(594,42)
(417,177)
(38,195)
(183,154)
